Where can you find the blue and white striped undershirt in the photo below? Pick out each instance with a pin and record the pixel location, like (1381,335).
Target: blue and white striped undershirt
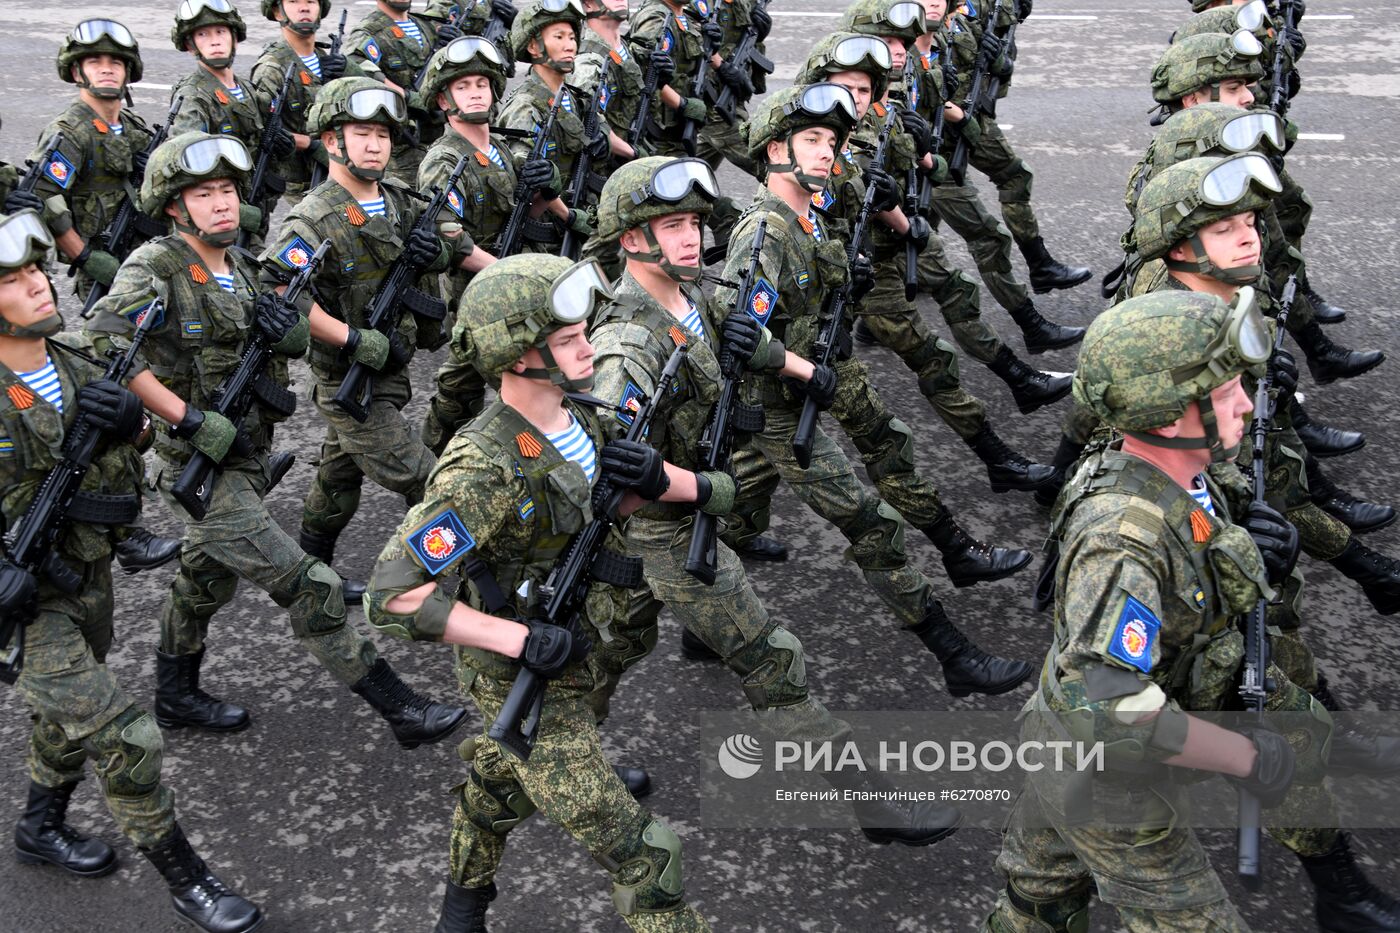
(410,28)
(116,128)
(225,281)
(494,155)
(566,101)
(816,225)
(45,382)
(237,93)
(692,322)
(374,208)
(574,444)
(1201,494)
(312,63)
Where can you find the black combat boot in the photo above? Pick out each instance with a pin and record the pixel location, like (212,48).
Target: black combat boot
(1347,901)
(1378,575)
(1030,388)
(180,702)
(1048,273)
(1041,335)
(1328,362)
(140,550)
(198,894)
(1323,310)
(1006,469)
(1321,440)
(464,909)
(415,719)
(1355,749)
(277,466)
(762,547)
(693,649)
(968,560)
(42,835)
(885,818)
(863,335)
(637,781)
(966,667)
(1066,456)
(1358,515)
(322,547)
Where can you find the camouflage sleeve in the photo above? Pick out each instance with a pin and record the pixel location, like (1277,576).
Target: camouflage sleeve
(588,69)
(433,173)
(194,116)
(115,316)
(267,77)
(644,32)
(621,373)
(361,46)
(519,113)
(468,498)
(772,263)
(296,241)
(59,176)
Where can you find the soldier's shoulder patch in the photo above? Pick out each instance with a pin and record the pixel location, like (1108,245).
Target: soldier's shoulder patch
(526,509)
(762,300)
(296,254)
(454,201)
(136,313)
(356,215)
(604,95)
(668,39)
(632,399)
(7,447)
(701,7)
(439,542)
(801,277)
(371,50)
(823,200)
(528,445)
(192,328)
(21,396)
(1134,634)
(59,170)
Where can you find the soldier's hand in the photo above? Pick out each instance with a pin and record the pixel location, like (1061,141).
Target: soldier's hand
(210,432)
(821,388)
(400,352)
(18,590)
(111,408)
(542,175)
(665,67)
(1283,374)
(735,78)
(423,249)
(762,22)
(333,66)
(919,131)
(17,201)
(886,191)
(862,277)
(715,492)
(1023,10)
(274,317)
(282,144)
(582,221)
(250,218)
(448,32)
(598,146)
(1275,537)
(1274,765)
(693,108)
(714,35)
(549,650)
(368,346)
(100,265)
(139,158)
(636,466)
(504,11)
(919,232)
(740,335)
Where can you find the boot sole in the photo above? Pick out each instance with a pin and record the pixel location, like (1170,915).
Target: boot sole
(1039,348)
(257,924)
(875,836)
(998,690)
(177,724)
(433,739)
(1020,486)
(1027,408)
(965,581)
(29,858)
(1062,286)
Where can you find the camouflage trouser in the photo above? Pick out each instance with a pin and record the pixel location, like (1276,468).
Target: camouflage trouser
(961,208)
(992,156)
(719,141)
(238,539)
(459,397)
(729,618)
(385,448)
(758,480)
(81,713)
(959,301)
(1294,209)
(900,328)
(573,785)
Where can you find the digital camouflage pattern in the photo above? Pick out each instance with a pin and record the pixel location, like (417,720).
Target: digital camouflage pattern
(624,89)
(1195,63)
(677,30)
(619,212)
(1171,207)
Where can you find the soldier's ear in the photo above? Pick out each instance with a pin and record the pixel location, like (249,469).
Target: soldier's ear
(1182,252)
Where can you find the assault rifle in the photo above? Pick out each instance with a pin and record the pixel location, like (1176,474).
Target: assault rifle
(508,244)
(582,178)
(833,314)
(497,32)
(128,221)
(566,588)
(1254,684)
(916,184)
(745,56)
(643,123)
(396,294)
(265,181)
(35,167)
(32,543)
(986,84)
(1282,74)
(234,398)
(690,129)
(318,171)
(729,415)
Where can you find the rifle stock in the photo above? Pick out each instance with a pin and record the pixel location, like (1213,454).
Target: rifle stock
(508,243)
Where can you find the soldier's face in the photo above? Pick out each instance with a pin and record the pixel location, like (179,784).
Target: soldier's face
(1229,243)
(935,10)
(213,205)
(366,144)
(1232,406)
(898,54)
(25,295)
(814,149)
(1234,92)
(301,11)
(679,237)
(572,351)
(103,70)
(469,93)
(860,86)
(559,42)
(213,41)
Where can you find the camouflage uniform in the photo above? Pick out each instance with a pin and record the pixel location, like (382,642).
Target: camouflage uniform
(525,108)
(720,141)
(625,82)
(378,41)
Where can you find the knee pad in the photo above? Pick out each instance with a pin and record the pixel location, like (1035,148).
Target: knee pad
(1013,183)
(329,508)
(199,592)
(940,373)
(127,754)
(958,299)
(991,249)
(313,597)
(877,536)
(748,520)
(1068,914)
(775,673)
(53,751)
(646,870)
(495,804)
(888,449)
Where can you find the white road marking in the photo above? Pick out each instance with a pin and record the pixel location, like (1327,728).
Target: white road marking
(152,86)
(1323,137)
(1042,17)
(795,13)
(1313,16)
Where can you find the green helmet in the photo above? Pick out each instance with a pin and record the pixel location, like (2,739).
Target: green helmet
(468,55)
(1216,130)
(186,160)
(356,100)
(848,51)
(795,108)
(24,241)
(1183,199)
(517,302)
(99,37)
(272,9)
(196,14)
(903,19)
(1199,6)
(1205,61)
(1145,360)
(532,20)
(1253,16)
(656,186)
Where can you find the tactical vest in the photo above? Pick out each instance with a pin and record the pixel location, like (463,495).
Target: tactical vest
(882,243)
(656,22)
(268,74)
(382,41)
(210,107)
(527,105)
(624,89)
(484,197)
(102,163)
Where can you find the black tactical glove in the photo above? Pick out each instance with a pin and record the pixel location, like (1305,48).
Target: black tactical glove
(332,67)
(282,144)
(736,79)
(714,35)
(919,131)
(1283,374)
(504,11)
(821,388)
(1023,10)
(740,335)
(542,176)
(274,317)
(1275,537)
(762,22)
(112,409)
(399,354)
(636,466)
(919,232)
(447,32)
(549,650)
(665,67)
(886,191)
(17,201)
(18,591)
(598,146)
(139,158)
(862,278)
(1273,767)
(423,248)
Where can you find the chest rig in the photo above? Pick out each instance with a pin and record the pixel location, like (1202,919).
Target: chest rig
(104,170)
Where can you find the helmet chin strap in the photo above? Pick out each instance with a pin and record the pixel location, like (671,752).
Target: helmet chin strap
(102,93)
(301,29)
(44,327)
(364,174)
(1211,441)
(218,64)
(677,272)
(185,224)
(1203,265)
(468,116)
(552,373)
(811,183)
(402,6)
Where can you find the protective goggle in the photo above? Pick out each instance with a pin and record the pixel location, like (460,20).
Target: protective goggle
(365,105)
(1246,43)
(1243,341)
(89,31)
(189,9)
(821,99)
(559,6)
(460,51)
(858,50)
(204,156)
(1244,132)
(676,179)
(21,235)
(1227,182)
(573,294)
(905,14)
(1253,16)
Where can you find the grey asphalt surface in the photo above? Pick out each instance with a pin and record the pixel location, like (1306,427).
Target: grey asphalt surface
(317,814)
